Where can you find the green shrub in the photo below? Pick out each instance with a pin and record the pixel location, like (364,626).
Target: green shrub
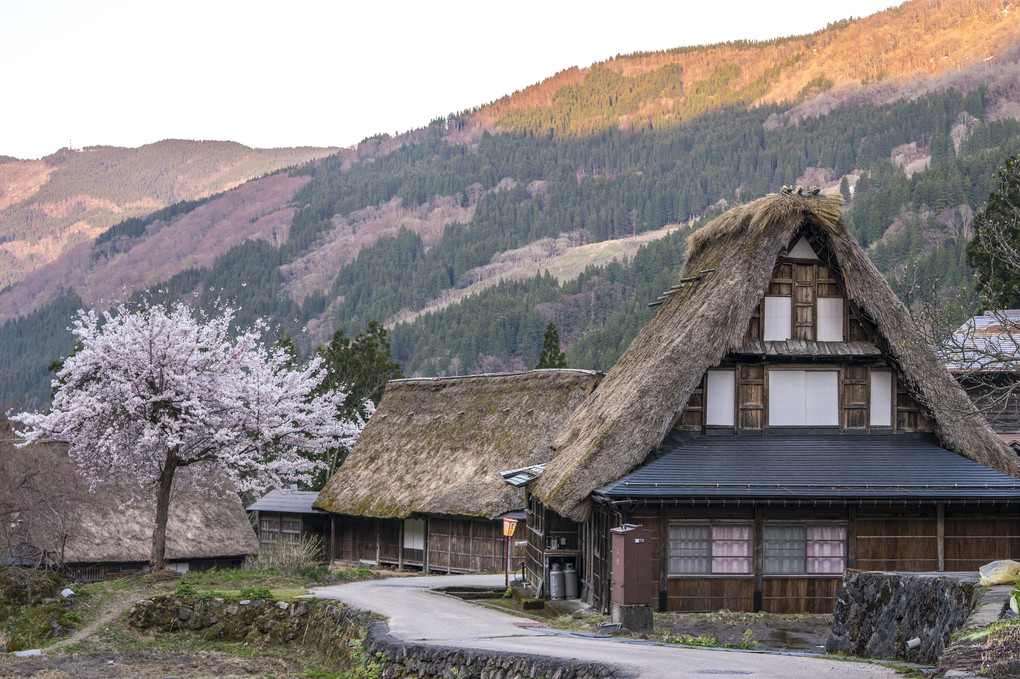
(186,588)
(255,593)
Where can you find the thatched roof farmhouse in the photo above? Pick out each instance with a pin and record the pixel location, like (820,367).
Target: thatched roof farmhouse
(705,317)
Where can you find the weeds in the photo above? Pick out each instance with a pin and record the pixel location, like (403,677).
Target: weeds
(748,642)
(288,557)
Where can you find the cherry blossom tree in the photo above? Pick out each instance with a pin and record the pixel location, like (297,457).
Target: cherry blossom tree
(154,393)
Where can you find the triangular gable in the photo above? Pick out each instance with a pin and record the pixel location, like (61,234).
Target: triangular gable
(802,250)
(733,260)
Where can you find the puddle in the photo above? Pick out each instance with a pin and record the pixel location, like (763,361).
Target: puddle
(788,640)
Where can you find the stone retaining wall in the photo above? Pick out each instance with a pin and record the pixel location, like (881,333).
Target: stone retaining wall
(879,612)
(346,638)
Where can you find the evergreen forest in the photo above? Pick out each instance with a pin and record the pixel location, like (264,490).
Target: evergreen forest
(594,184)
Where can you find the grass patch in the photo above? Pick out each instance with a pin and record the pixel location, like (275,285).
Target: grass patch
(982,633)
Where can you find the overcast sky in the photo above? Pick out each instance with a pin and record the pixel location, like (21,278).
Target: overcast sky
(298,72)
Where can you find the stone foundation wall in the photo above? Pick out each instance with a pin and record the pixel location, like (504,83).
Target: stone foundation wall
(879,612)
(346,638)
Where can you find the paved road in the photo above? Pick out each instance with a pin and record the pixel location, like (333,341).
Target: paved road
(417,614)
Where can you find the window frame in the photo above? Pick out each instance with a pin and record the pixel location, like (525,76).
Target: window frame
(711,525)
(774,369)
(807,526)
(708,398)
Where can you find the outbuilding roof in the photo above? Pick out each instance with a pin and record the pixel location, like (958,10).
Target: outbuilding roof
(287,501)
(437,445)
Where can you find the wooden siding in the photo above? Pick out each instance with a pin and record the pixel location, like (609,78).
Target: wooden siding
(805,594)
(856,396)
(909,416)
(751,396)
(465,545)
(973,541)
(897,544)
(710,594)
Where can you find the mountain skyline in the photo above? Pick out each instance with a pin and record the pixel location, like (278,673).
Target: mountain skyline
(115,73)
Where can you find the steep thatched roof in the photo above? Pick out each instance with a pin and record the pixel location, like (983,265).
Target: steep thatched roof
(114,523)
(731,261)
(437,445)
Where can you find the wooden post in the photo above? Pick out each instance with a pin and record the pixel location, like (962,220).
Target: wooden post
(506,578)
(758,559)
(425,543)
(378,542)
(940,534)
(400,546)
(332,538)
(851,537)
(663,559)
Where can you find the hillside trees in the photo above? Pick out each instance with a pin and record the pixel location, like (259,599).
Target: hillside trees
(994,252)
(360,368)
(552,356)
(156,394)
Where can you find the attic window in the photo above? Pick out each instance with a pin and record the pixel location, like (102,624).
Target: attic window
(803,398)
(802,250)
(721,387)
(778,318)
(881,398)
(830,319)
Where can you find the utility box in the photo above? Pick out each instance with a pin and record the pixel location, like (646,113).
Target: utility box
(631,577)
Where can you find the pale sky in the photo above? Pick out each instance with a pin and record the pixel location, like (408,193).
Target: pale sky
(304,72)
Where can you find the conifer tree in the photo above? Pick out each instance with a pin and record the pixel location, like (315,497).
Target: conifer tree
(552,356)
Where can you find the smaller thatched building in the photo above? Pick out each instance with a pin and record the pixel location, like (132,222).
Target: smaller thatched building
(51,518)
(422,485)
(778,420)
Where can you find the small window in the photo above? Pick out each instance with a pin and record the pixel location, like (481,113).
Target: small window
(711,549)
(881,398)
(414,533)
(778,318)
(800,398)
(830,319)
(798,550)
(721,392)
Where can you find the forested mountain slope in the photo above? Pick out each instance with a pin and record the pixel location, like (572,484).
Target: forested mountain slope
(72,196)
(445,234)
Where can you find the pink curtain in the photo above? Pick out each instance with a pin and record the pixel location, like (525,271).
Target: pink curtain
(731,548)
(826,549)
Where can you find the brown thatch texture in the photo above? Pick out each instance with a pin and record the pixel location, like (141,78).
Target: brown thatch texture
(436,446)
(114,523)
(632,410)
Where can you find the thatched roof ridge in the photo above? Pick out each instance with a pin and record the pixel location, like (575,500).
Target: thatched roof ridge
(437,445)
(114,523)
(728,265)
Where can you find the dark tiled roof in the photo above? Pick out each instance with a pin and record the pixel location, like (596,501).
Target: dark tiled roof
(879,467)
(288,501)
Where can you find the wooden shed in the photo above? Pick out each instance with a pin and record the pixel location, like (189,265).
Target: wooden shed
(779,419)
(287,515)
(422,485)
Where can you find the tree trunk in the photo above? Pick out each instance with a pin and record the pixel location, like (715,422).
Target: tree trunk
(166,481)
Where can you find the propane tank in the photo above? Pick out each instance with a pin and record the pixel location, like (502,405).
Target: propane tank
(556,582)
(570,581)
